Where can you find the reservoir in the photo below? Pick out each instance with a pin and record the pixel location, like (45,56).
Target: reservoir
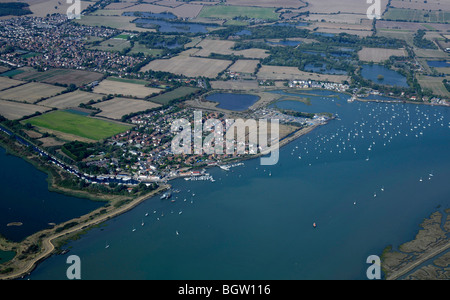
(236,102)
(25,199)
(358,178)
(390,77)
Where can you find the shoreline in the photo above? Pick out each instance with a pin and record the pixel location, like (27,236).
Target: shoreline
(47,245)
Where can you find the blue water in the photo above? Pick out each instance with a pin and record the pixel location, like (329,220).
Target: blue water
(286,43)
(391,77)
(25,198)
(438,64)
(236,102)
(255,222)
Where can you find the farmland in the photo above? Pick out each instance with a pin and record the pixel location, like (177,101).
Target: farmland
(61,76)
(434,83)
(189,66)
(230,12)
(5,83)
(244,66)
(31,92)
(172,95)
(209,46)
(118,107)
(415,15)
(72,99)
(125,88)
(15,110)
(379,54)
(77,125)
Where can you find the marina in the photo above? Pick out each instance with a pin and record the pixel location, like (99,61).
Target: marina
(328,177)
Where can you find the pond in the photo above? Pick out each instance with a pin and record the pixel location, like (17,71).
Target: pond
(285,43)
(438,63)
(230,101)
(388,76)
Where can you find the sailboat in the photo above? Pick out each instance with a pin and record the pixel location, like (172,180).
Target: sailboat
(107,245)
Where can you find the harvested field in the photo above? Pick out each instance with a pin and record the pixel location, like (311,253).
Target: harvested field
(31,92)
(15,110)
(233,11)
(61,76)
(344,6)
(422,5)
(5,83)
(73,99)
(224,47)
(124,88)
(379,54)
(118,107)
(244,66)
(415,15)
(235,85)
(189,66)
(268,3)
(293,73)
(433,83)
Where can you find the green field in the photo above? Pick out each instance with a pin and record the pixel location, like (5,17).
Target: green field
(230,12)
(415,15)
(78,125)
(172,95)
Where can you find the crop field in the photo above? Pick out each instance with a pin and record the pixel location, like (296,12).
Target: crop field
(31,92)
(15,110)
(172,95)
(293,73)
(209,46)
(415,15)
(189,66)
(422,5)
(379,54)
(181,10)
(230,12)
(343,6)
(115,87)
(73,99)
(118,107)
(78,125)
(61,76)
(268,3)
(244,66)
(5,83)
(433,83)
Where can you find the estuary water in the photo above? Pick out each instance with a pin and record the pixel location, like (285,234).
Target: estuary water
(367,179)
(26,200)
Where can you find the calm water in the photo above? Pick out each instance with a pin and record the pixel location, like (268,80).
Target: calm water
(322,69)
(391,77)
(438,64)
(25,198)
(236,102)
(357,177)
